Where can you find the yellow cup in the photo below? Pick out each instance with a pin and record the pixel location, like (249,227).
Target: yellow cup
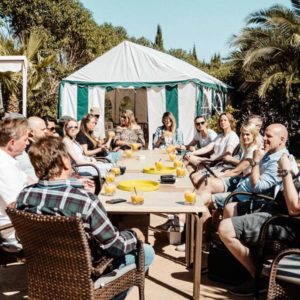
(134,146)
(158,165)
(110,177)
(172,156)
(111,134)
(116,171)
(170,149)
(189,198)
(180,172)
(128,153)
(137,198)
(177,163)
(109,189)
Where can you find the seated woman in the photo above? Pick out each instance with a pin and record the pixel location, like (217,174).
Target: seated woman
(227,181)
(90,144)
(168,134)
(76,150)
(203,135)
(223,145)
(219,150)
(129,132)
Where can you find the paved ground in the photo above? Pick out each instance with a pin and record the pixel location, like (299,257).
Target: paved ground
(168,277)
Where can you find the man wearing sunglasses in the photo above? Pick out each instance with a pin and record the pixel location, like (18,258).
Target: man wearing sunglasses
(51,125)
(203,135)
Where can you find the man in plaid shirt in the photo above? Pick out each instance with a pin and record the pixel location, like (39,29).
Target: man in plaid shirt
(57,194)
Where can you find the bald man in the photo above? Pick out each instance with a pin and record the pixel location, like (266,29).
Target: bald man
(263,176)
(37,127)
(240,233)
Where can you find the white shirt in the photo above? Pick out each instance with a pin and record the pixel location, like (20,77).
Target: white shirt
(222,142)
(211,136)
(12,181)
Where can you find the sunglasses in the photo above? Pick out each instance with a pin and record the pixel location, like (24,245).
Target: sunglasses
(200,123)
(123,117)
(51,129)
(72,127)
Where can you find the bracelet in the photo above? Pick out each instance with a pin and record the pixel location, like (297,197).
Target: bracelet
(284,173)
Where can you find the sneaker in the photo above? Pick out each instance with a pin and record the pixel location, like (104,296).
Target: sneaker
(247,288)
(180,248)
(166,225)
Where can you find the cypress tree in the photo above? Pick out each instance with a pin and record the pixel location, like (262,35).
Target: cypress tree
(159,43)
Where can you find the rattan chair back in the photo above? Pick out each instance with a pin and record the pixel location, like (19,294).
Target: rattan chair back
(57,255)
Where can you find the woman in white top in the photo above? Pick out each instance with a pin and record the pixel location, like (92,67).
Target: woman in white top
(221,148)
(203,135)
(76,151)
(228,180)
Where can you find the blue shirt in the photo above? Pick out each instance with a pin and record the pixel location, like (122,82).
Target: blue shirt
(177,138)
(268,175)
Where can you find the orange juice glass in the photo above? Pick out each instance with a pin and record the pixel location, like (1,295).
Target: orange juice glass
(172,156)
(111,134)
(177,163)
(189,198)
(180,172)
(110,177)
(158,165)
(137,198)
(134,146)
(128,153)
(109,189)
(116,171)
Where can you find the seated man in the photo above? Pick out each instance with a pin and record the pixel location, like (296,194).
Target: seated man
(37,130)
(241,232)
(263,175)
(13,140)
(56,193)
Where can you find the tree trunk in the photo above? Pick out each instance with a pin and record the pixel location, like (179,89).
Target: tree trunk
(13,103)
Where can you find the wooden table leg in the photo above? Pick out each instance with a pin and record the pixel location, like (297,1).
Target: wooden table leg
(198,223)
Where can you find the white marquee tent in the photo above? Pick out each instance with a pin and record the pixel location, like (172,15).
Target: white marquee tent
(156,81)
(17,63)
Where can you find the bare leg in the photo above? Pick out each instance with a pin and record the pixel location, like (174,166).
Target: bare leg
(230,210)
(238,250)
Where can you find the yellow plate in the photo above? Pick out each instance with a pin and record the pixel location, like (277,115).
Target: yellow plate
(164,170)
(143,185)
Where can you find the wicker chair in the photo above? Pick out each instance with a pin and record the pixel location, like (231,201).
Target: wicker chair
(284,282)
(59,264)
(97,178)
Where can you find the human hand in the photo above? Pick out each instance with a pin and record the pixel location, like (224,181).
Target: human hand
(140,236)
(227,158)
(258,155)
(284,162)
(88,184)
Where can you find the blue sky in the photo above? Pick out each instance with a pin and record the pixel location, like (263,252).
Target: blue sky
(208,24)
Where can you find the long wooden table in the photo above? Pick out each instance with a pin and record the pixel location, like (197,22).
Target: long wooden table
(168,199)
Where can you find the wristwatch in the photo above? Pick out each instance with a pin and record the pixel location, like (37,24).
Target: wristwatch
(284,172)
(254,163)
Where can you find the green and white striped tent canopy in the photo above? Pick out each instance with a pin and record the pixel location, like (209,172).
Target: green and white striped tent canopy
(169,84)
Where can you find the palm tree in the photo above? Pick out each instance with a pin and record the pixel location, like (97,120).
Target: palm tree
(29,46)
(268,50)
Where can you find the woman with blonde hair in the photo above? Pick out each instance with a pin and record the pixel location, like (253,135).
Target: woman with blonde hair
(221,148)
(129,132)
(76,150)
(168,134)
(228,180)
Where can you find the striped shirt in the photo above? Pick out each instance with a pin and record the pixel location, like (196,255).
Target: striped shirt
(68,198)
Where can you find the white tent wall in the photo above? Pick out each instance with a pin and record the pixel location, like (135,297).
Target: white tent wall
(96,96)
(187,103)
(68,105)
(156,107)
